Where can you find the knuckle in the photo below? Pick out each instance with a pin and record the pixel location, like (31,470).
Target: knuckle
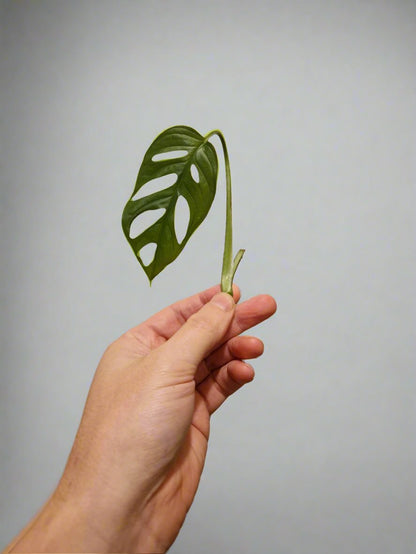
(200,322)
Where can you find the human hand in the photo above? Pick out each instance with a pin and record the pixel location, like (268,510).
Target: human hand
(140,449)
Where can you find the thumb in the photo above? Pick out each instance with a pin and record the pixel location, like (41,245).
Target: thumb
(203,332)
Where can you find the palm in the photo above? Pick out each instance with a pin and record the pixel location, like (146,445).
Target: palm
(174,497)
(220,374)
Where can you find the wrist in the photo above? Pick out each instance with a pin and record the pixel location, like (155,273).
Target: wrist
(59,526)
(81,525)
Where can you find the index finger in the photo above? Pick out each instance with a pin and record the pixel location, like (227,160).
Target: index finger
(247,314)
(163,325)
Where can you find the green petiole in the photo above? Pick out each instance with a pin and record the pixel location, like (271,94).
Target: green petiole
(229,264)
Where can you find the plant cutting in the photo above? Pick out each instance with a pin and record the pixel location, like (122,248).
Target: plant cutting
(187,164)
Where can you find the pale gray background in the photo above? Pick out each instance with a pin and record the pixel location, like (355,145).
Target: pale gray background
(317,102)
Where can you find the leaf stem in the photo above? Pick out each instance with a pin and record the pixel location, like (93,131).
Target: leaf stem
(229,265)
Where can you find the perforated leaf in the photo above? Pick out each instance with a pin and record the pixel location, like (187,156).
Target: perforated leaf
(182,152)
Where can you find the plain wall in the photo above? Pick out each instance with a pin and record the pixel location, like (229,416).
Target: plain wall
(317,102)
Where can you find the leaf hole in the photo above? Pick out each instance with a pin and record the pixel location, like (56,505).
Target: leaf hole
(195,173)
(172,155)
(182,216)
(147,253)
(156,185)
(144,221)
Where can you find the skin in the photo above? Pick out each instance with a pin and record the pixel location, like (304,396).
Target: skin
(140,449)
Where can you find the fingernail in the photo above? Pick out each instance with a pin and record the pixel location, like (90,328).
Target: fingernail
(224,301)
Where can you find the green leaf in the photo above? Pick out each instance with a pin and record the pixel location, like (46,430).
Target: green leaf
(183,152)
